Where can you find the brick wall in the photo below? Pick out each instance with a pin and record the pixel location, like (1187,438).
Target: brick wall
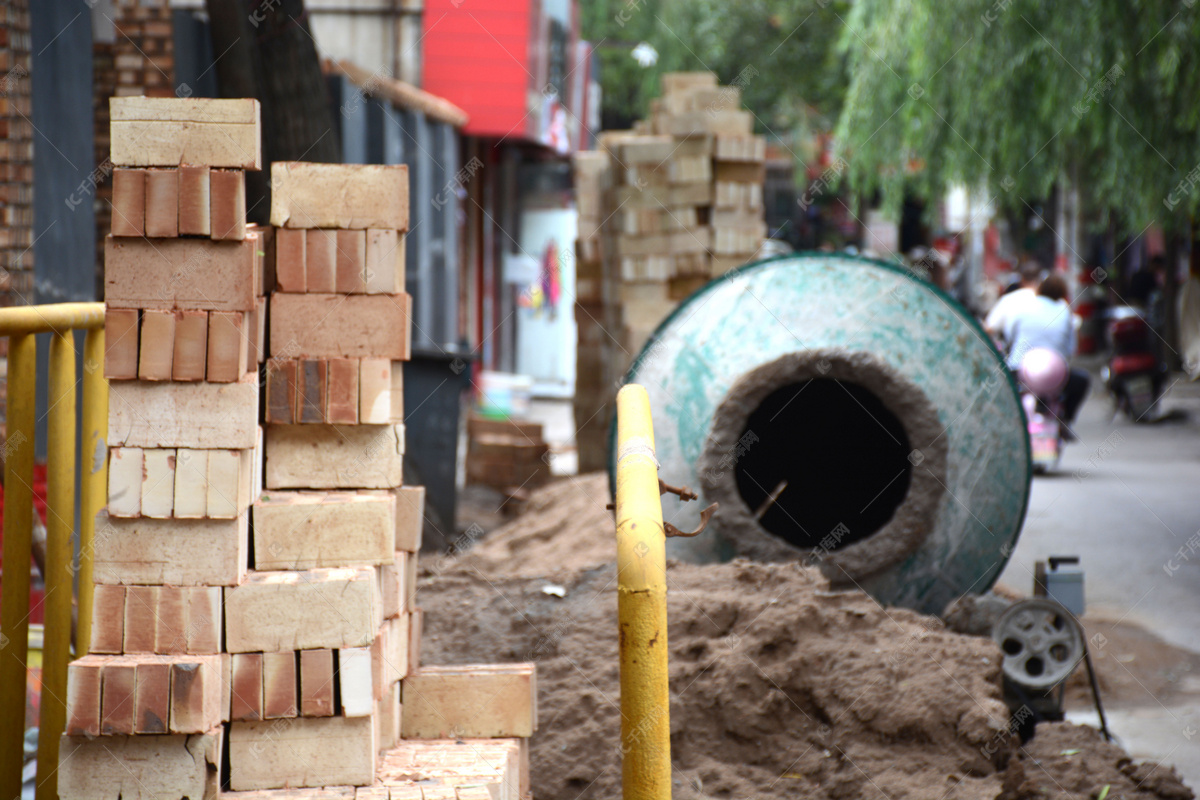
(16,158)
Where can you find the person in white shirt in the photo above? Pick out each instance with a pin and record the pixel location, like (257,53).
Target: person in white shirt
(1000,319)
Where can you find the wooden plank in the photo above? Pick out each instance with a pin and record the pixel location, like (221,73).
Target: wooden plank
(183,273)
(140,767)
(169,132)
(355,196)
(181,552)
(334,456)
(314,751)
(315,609)
(195,415)
(302,530)
(316,683)
(339,326)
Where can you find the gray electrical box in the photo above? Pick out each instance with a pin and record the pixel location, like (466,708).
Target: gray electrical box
(1064,583)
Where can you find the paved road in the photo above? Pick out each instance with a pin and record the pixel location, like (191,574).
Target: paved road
(1127,501)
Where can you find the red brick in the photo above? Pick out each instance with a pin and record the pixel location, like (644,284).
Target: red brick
(226,346)
(228,189)
(196,693)
(279,685)
(157,346)
(191,346)
(246,698)
(108,619)
(171,634)
(183,273)
(129,202)
(351,258)
(194,201)
(282,377)
(316,683)
(320,260)
(162,203)
(339,326)
(310,392)
(375,391)
(342,398)
(141,618)
(83,695)
(204,619)
(121,343)
(289,260)
(153,699)
(117,698)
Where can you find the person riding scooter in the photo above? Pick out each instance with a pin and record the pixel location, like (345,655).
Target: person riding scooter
(1045,322)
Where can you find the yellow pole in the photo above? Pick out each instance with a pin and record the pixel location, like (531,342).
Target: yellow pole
(60,517)
(94,481)
(641,604)
(18,533)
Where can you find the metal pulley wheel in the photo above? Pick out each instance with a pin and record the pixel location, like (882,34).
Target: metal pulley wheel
(1041,641)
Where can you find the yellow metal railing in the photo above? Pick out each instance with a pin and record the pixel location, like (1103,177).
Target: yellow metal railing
(641,604)
(20,325)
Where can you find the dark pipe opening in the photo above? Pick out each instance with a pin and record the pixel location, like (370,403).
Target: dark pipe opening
(835,455)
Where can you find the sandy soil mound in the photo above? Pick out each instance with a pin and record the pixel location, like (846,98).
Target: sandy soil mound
(780,687)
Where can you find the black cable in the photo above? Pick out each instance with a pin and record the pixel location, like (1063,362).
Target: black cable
(1087,659)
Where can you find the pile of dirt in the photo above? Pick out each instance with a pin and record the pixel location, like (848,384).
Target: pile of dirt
(780,688)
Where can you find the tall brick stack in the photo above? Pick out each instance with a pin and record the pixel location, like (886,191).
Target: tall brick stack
(255,621)
(664,208)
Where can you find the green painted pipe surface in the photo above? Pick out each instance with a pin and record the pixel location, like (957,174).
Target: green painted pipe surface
(836,314)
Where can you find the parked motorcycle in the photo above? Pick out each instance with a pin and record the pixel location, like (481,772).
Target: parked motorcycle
(1134,375)
(1042,377)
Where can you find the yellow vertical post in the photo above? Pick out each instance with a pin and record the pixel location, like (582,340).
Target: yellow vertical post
(94,481)
(18,532)
(60,517)
(641,604)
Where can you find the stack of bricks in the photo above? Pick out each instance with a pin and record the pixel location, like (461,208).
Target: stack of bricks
(16,158)
(255,624)
(506,454)
(664,208)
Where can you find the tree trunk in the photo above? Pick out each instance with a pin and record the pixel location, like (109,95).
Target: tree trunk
(264,49)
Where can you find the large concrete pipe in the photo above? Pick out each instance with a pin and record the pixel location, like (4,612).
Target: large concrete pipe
(843,411)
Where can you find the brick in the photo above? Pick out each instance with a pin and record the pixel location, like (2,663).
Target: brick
(129,202)
(118,697)
(337,326)
(181,552)
(354,680)
(316,683)
(326,751)
(120,343)
(356,196)
(397,391)
(384,264)
(196,692)
(319,608)
(471,701)
(204,619)
(169,132)
(341,382)
(140,767)
(196,415)
(191,346)
(108,619)
(141,619)
(125,474)
(170,636)
(290,260)
(162,203)
(416,624)
(191,484)
(320,260)
(227,352)
(228,207)
(351,261)
(410,517)
(246,696)
(256,333)
(282,388)
(157,346)
(302,530)
(375,391)
(279,685)
(83,695)
(158,482)
(183,273)
(224,483)
(194,201)
(310,391)
(152,700)
(334,456)
(397,656)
